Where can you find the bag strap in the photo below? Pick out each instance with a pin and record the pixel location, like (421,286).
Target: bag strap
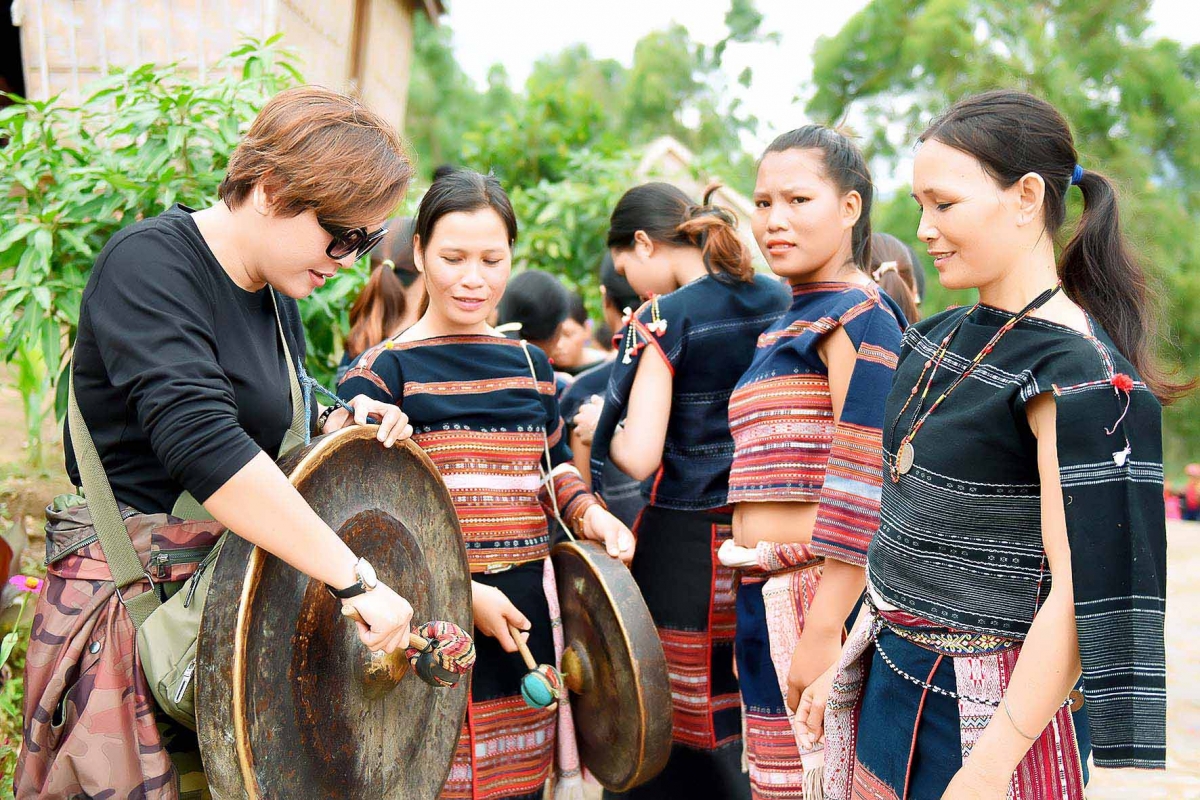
(122,558)
(297,433)
(548,480)
(123,561)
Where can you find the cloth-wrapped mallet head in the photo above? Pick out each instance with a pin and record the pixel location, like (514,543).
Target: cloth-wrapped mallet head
(449,655)
(542,687)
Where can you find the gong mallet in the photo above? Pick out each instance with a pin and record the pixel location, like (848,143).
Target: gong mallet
(439,652)
(542,686)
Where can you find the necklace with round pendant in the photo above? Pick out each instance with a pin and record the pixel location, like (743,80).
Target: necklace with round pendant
(906,455)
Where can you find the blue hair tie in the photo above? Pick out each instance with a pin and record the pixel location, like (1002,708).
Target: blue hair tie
(1077,175)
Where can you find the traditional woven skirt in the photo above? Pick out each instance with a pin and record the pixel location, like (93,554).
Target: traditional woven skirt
(770,618)
(506,748)
(911,699)
(691,597)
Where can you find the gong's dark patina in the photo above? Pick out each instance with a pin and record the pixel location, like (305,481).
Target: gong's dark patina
(613,663)
(289,702)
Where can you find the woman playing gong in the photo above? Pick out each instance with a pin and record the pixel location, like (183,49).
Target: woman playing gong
(484,408)
(181,371)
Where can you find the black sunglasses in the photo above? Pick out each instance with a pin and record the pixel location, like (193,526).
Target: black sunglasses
(351,240)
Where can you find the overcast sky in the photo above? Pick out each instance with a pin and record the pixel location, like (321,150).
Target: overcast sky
(516,33)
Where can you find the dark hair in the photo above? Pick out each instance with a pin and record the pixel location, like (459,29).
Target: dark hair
(381,304)
(576,310)
(666,215)
(846,168)
(918,271)
(1012,134)
(897,278)
(616,288)
(538,301)
(442,170)
(397,248)
(376,312)
(463,190)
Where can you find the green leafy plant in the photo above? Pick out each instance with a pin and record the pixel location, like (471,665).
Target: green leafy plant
(565,222)
(73,175)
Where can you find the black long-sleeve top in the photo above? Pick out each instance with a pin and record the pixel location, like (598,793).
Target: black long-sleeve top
(179,372)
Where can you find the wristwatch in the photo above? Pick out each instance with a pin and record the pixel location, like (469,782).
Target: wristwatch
(365,583)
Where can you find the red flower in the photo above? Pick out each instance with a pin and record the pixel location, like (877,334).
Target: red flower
(1123,382)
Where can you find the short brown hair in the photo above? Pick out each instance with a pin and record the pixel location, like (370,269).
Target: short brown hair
(324,151)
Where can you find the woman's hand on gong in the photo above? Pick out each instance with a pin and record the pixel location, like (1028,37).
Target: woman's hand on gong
(388,617)
(393,423)
(494,612)
(601,526)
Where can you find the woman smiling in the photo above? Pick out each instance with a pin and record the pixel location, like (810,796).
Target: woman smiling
(1019,570)
(483,407)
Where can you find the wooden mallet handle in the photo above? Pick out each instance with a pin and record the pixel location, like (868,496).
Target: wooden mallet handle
(414,641)
(527,656)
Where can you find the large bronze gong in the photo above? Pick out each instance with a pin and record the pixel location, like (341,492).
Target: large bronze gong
(289,702)
(613,663)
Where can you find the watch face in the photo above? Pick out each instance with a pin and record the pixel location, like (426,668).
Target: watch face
(366,573)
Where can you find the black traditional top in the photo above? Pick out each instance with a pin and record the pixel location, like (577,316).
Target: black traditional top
(706,331)
(622,494)
(486,423)
(960,538)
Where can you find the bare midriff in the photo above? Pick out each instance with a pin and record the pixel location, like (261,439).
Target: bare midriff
(790,522)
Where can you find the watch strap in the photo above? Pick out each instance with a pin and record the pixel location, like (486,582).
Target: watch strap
(353,590)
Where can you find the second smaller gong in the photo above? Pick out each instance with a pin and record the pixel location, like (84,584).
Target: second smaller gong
(613,663)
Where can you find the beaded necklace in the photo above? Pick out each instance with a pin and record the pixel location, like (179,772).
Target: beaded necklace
(906,454)
(657,326)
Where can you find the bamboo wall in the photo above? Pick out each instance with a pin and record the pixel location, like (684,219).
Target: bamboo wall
(67,43)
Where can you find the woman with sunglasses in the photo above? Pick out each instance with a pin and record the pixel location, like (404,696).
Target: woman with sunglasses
(181,374)
(484,408)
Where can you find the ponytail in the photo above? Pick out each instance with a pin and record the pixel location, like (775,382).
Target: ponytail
(892,268)
(891,281)
(1099,273)
(1012,134)
(665,214)
(713,229)
(377,311)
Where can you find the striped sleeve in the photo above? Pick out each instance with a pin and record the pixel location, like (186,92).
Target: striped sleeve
(376,373)
(848,509)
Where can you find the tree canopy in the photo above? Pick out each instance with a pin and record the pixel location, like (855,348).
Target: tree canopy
(1131,101)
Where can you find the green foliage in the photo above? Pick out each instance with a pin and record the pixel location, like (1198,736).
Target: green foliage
(143,139)
(565,146)
(565,222)
(1131,101)
(573,101)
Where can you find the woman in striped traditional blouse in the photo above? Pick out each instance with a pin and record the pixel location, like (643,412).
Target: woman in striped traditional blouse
(1022,530)
(807,420)
(680,356)
(483,407)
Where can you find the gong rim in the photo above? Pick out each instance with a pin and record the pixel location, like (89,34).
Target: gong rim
(650,717)
(447,572)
